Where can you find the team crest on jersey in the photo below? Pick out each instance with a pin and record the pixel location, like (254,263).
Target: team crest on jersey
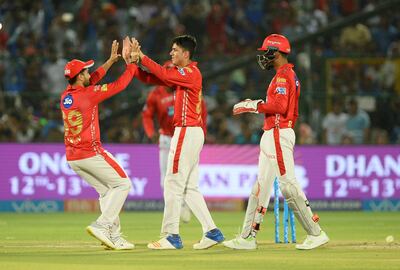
(281,90)
(182,71)
(68,101)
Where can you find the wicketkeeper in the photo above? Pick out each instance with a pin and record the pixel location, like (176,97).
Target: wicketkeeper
(276,156)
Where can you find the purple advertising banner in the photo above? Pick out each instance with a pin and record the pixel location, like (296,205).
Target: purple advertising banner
(39,171)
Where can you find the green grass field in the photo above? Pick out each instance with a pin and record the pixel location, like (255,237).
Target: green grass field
(59,241)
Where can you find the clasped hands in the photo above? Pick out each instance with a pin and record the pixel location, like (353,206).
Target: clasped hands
(131,51)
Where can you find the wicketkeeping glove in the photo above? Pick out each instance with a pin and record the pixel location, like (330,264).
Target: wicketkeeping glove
(246,106)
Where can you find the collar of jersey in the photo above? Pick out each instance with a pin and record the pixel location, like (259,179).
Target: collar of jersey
(193,63)
(72,88)
(288,65)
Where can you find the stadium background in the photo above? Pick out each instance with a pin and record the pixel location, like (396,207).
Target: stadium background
(343,51)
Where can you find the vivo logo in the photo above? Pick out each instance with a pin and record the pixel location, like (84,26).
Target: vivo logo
(385,205)
(37,206)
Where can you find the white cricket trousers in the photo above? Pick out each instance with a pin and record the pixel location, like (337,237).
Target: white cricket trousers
(111,182)
(164,145)
(275,160)
(181,180)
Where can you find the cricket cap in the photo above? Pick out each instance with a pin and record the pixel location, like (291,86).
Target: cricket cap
(276,41)
(73,67)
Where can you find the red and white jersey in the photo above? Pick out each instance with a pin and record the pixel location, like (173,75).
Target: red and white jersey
(159,104)
(80,113)
(187,83)
(281,107)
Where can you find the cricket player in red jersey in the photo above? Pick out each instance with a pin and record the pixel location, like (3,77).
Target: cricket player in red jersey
(160,106)
(182,176)
(276,156)
(84,151)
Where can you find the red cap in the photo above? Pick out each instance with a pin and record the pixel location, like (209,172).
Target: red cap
(277,41)
(72,68)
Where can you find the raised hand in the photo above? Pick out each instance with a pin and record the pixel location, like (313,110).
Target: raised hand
(136,54)
(126,50)
(114,56)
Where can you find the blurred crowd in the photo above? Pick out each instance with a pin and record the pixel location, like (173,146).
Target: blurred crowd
(350,79)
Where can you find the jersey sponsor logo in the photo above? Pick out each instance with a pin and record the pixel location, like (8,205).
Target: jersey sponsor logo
(281,90)
(271,42)
(182,71)
(68,101)
(97,88)
(280,80)
(104,88)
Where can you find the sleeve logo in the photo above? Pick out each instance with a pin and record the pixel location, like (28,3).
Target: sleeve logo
(68,101)
(281,90)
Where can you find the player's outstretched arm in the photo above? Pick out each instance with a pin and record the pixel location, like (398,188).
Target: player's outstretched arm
(166,76)
(105,91)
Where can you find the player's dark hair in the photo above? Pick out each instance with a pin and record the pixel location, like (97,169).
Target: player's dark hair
(187,42)
(73,80)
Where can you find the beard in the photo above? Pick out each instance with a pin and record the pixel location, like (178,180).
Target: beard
(86,83)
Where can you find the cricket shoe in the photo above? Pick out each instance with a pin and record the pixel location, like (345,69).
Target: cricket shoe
(121,243)
(102,233)
(313,241)
(170,241)
(241,243)
(210,239)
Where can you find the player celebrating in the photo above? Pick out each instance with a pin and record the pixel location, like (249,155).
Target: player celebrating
(182,176)
(276,156)
(84,151)
(160,105)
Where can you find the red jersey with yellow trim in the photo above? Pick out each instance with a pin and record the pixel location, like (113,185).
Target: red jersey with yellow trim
(187,82)
(159,103)
(80,113)
(281,106)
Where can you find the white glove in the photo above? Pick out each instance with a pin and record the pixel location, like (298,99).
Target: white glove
(246,105)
